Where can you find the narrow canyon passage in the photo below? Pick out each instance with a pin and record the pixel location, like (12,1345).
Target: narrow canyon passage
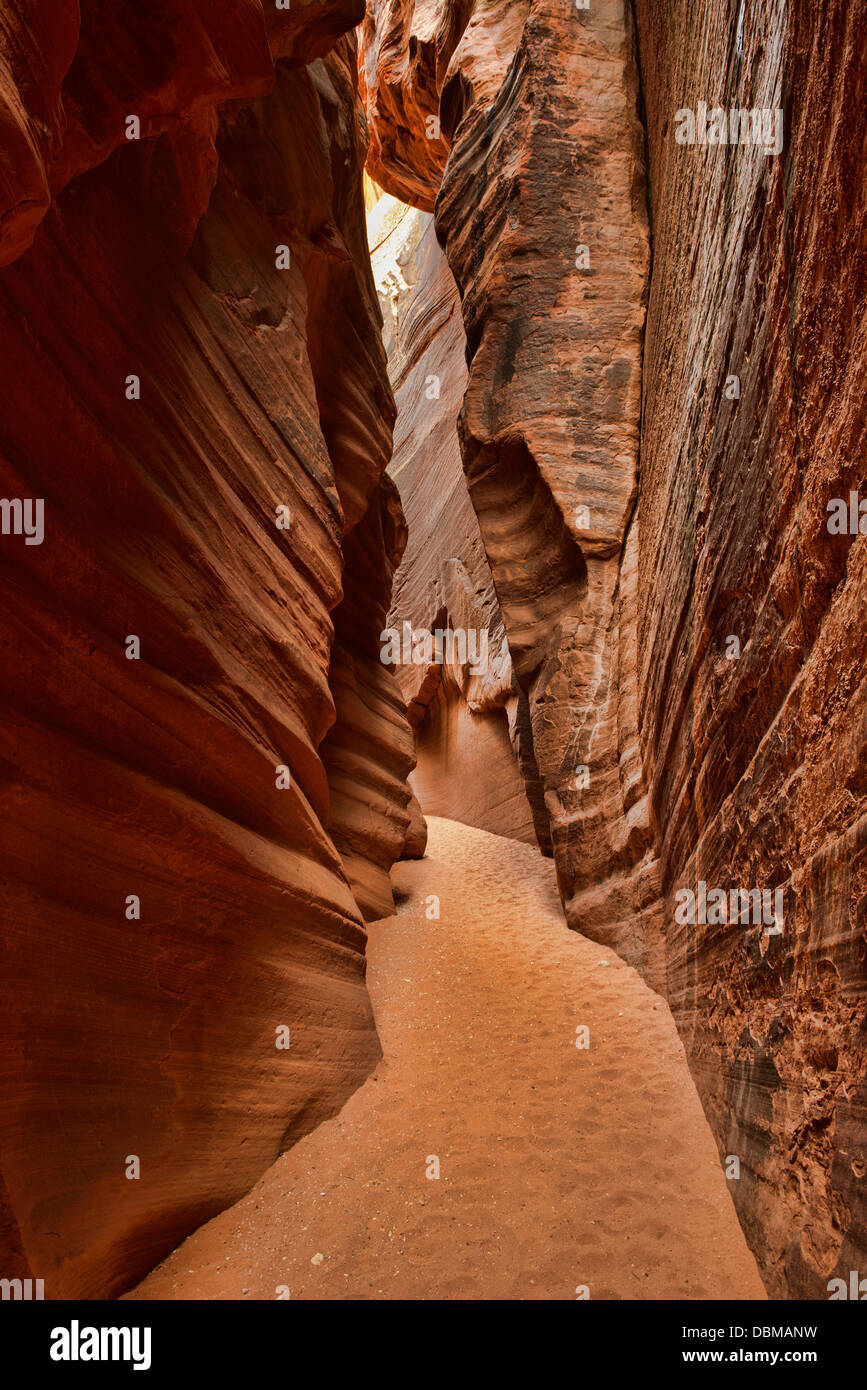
(448,410)
(560,1167)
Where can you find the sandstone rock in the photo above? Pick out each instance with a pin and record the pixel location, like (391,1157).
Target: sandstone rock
(72,75)
(664,759)
(546,173)
(369,752)
(399,82)
(422,65)
(470,719)
(308,29)
(756,762)
(192,838)
(415,843)
(156,1029)
(37,45)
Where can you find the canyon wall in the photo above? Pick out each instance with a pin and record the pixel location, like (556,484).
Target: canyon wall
(196,388)
(542,212)
(471,720)
(368,753)
(645,497)
(756,761)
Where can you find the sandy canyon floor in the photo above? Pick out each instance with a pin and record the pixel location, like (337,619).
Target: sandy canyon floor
(560,1168)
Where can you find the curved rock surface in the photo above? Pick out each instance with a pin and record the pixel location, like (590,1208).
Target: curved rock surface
(471,719)
(73,73)
(183,951)
(667,759)
(542,214)
(369,752)
(204,758)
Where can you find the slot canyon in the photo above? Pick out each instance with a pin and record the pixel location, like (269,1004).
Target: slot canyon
(434,573)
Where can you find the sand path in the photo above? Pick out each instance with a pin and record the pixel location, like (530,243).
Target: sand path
(559,1167)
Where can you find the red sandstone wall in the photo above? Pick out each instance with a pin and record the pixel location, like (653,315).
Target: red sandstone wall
(757,764)
(260,387)
(369,752)
(539,104)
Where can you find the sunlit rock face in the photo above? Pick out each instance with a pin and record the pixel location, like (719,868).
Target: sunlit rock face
(671,755)
(541,208)
(195,386)
(470,717)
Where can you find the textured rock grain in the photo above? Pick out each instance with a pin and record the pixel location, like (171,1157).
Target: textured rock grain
(757,764)
(471,719)
(369,752)
(744,772)
(542,214)
(260,387)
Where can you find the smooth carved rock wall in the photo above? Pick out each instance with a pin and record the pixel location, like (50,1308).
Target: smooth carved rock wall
(260,387)
(471,722)
(757,765)
(369,752)
(549,161)
(742,772)
(540,104)
(73,71)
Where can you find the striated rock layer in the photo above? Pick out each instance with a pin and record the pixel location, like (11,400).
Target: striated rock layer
(174,900)
(668,756)
(368,754)
(470,717)
(757,762)
(542,211)
(542,214)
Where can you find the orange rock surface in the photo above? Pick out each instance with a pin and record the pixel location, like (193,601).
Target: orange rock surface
(669,757)
(183,951)
(649,359)
(470,717)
